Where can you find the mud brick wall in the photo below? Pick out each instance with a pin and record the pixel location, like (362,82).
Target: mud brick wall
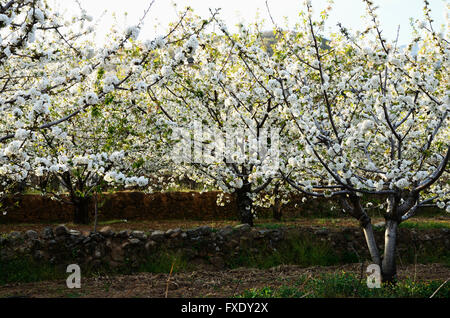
(122,205)
(159,206)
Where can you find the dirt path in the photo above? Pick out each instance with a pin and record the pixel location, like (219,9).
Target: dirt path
(146,225)
(199,283)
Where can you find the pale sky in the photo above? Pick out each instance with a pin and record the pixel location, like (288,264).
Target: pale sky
(392,13)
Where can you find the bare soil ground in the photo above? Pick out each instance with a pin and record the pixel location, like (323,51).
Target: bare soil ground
(201,283)
(146,225)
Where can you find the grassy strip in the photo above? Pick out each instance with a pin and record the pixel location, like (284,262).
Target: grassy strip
(26,270)
(424,225)
(349,285)
(296,250)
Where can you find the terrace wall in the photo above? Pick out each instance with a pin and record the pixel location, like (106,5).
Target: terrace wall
(160,206)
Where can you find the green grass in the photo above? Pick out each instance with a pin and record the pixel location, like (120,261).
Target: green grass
(428,253)
(23,270)
(162,262)
(272,226)
(424,225)
(349,285)
(26,270)
(304,251)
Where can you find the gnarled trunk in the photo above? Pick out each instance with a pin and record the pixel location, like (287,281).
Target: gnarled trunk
(81,213)
(244,205)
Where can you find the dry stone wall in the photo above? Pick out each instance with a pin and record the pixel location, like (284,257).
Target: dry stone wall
(203,245)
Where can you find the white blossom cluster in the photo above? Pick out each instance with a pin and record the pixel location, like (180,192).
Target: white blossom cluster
(353,115)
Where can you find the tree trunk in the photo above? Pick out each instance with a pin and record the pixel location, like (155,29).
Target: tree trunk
(389,267)
(245,206)
(277,214)
(372,244)
(96,213)
(276,209)
(81,215)
(352,204)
